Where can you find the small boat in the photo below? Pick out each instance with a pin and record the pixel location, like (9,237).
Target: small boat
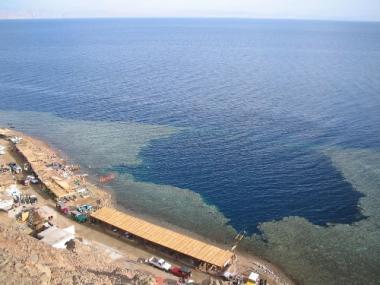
(107,178)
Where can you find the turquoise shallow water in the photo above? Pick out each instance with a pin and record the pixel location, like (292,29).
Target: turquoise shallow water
(217,126)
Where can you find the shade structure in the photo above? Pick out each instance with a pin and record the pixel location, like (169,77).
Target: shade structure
(161,236)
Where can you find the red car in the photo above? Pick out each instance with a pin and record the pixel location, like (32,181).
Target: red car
(183,272)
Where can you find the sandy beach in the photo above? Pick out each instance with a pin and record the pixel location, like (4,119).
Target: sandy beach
(42,154)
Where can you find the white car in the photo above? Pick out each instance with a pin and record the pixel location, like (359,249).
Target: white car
(159,263)
(228,275)
(32,179)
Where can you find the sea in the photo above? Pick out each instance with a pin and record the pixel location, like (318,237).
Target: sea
(217,126)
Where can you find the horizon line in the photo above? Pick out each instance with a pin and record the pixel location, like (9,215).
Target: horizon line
(186,17)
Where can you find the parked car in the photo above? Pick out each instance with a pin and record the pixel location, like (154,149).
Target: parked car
(26,182)
(228,275)
(32,179)
(183,281)
(159,263)
(61,206)
(79,217)
(183,272)
(15,167)
(84,208)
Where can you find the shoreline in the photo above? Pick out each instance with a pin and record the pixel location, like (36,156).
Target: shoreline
(248,259)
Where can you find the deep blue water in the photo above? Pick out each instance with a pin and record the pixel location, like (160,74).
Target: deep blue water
(259,99)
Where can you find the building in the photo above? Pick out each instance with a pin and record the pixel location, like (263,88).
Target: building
(206,256)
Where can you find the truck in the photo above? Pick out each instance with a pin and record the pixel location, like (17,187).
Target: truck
(32,179)
(160,263)
(61,206)
(79,217)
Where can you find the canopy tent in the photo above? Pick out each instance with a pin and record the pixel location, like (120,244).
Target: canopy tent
(57,237)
